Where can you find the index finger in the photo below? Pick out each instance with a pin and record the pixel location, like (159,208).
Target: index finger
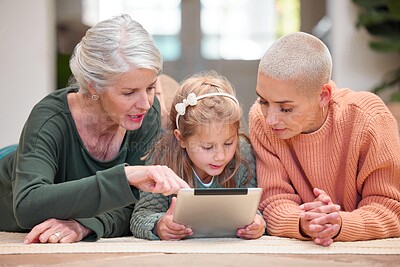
(310,205)
(330,218)
(181,183)
(33,235)
(321,195)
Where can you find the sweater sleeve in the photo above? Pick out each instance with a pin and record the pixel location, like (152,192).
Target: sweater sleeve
(246,176)
(148,210)
(83,198)
(113,223)
(279,202)
(378,185)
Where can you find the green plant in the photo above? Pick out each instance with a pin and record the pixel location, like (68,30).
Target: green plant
(381,18)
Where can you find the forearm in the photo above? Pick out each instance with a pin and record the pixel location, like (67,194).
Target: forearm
(143,223)
(114,223)
(374,221)
(83,198)
(149,209)
(282,217)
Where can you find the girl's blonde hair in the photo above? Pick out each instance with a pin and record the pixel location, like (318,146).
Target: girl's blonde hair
(211,109)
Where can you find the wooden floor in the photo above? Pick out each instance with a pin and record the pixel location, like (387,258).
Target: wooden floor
(177,260)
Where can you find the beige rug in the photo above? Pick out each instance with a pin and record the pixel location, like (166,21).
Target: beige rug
(11,243)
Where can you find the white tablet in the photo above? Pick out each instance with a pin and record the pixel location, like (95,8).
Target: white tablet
(216,212)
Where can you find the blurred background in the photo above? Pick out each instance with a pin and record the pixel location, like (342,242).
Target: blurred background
(229,36)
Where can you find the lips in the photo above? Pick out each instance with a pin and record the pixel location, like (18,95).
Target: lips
(276,130)
(215,167)
(137,117)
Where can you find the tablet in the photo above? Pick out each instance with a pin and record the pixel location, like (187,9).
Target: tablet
(216,212)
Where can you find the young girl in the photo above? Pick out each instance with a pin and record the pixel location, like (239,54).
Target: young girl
(204,147)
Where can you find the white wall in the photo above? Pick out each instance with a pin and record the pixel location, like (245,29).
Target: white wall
(27,53)
(355,65)
(27,67)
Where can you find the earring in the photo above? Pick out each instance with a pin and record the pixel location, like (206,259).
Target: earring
(323,111)
(95,97)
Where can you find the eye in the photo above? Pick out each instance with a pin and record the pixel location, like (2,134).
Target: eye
(262,101)
(286,110)
(207,147)
(228,143)
(151,88)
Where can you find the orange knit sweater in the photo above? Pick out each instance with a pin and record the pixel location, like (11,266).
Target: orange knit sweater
(354,157)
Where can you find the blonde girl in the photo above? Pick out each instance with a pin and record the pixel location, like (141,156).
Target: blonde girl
(203,146)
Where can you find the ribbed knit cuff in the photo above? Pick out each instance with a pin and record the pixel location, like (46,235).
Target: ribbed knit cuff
(352,227)
(284,222)
(142,226)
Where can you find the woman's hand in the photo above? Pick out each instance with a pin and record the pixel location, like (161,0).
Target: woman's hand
(320,219)
(155,179)
(57,231)
(167,229)
(253,230)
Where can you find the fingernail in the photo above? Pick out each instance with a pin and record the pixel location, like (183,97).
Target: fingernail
(302,214)
(26,241)
(301,206)
(337,207)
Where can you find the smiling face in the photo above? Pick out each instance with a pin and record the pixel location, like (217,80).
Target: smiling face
(211,148)
(286,110)
(128,100)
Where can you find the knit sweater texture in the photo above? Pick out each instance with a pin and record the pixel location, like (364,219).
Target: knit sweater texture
(354,157)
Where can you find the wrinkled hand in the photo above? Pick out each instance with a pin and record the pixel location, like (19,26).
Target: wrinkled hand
(167,229)
(57,231)
(320,219)
(155,179)
(254,230)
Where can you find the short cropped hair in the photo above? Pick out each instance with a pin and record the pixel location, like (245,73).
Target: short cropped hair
(300,57)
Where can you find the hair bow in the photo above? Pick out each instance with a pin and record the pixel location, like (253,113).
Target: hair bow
(191,100)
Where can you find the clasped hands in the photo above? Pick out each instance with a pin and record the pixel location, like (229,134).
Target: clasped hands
(320,219)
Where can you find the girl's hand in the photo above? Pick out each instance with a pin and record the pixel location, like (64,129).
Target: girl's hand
(254,230)
(155,179)
(167,229)
(57,231)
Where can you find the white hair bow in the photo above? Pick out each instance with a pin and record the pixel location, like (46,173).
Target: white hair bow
(191,100)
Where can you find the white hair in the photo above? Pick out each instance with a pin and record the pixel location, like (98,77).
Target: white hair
(298,56)
(111,48)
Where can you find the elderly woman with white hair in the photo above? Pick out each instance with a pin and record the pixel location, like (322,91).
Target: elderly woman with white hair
(76,172)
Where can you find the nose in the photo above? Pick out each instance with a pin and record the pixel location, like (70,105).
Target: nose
(143,101)
(219,154)
(271,117)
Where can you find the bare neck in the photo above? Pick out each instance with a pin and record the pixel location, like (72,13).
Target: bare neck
(100,134)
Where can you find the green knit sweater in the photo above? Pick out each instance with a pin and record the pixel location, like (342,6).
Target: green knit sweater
(52,175)
(151,207)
